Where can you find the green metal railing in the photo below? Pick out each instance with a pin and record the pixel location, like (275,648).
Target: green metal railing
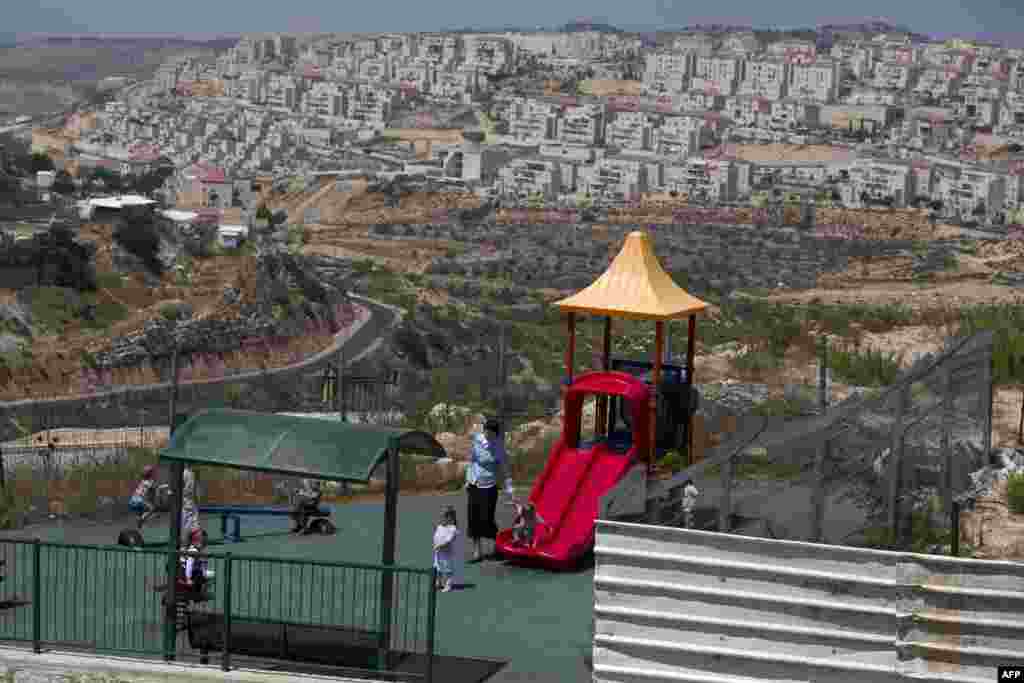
(107,599)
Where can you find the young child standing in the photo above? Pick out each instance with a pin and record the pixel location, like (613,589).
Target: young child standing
(195,567)
(524,526)
(690,494)
(449,555)
(143,501)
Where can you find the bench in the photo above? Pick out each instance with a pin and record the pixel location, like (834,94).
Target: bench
(338,646)
(231,518)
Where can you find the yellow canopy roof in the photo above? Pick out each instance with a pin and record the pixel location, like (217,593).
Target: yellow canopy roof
(634,286)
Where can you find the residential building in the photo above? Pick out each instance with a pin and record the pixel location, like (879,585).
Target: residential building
(440,48)
(871,96)
(702,180)
(491,54)
(937,83)
(523,177)
(793,51)
(963,189)
(531,119)
(282,92)
(892,76)
(615,179)
(767,78)
(325,99)
(582,125)
(790,113)
(632,130)
(697,43)
(743,42)
(817,81)
(747,110)
(679,137)
(718,74)
(370,105)
(879,179)
(375,70)
(924,129)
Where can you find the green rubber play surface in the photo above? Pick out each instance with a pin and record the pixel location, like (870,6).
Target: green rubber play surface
(537,621)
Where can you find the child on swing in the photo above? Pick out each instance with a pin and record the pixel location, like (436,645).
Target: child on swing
(143,500)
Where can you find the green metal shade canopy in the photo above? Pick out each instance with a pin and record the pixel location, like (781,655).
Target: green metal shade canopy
(290,445)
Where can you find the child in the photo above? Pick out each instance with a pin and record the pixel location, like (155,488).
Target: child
(525,524)
(690,494)
(448,551)
(307,499)
(194,567)
(143,501)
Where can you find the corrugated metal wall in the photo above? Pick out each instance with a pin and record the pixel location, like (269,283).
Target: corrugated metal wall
(693,606)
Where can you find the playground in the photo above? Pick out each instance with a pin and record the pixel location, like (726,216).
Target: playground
(537,622)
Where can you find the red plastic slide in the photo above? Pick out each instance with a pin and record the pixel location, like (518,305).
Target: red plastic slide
(567,494)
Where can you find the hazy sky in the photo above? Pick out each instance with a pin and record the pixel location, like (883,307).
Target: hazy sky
(1003,18)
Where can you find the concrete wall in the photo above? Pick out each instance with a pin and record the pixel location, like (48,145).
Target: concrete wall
(24,666)
(678,605)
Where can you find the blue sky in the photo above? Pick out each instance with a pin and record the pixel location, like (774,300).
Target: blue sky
(1004,18)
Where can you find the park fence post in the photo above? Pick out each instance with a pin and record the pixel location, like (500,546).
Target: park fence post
(388,555)
(818,493)
(431,625)
(947,446)
(954,544)
(37,595)
(225,663)
(895,464)
(725,508)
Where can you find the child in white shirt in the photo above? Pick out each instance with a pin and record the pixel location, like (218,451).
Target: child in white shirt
(448,551)
(690,494)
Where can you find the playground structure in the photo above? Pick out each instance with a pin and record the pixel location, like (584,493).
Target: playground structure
(630,430)
(291,446)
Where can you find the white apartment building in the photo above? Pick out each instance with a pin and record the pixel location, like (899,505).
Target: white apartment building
(415,77)
(806,173)
(879,179)
(614,179)
(744,42)
(523,177)
(767,78)
(582,125)
(790,113)
(718,74)
(659,83)
(632,130)
(981,108)
(457,86)
(702,180)
(698,100)
(892,76)
(678,137)
(370,105)
(325,99)
(923,130)
(936,83)
(282,92)
(871,96)
(377,70)
(440,48)
(670,62)
(817,81)
(747,111)
(492,54)
(531,119)
(962,188)
(697,43)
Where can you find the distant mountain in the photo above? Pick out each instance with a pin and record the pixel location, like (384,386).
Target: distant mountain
(580,26)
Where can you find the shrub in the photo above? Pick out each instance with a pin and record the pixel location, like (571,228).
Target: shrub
(868,368)
(673,461)
(1015,493)
(175,310)
(141,238)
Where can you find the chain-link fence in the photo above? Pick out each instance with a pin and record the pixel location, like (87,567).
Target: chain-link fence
(902,455)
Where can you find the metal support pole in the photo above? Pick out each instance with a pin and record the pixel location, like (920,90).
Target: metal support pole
(388,557)
(946,441)
(725,508)
(954,543)
(225,663)
(823,397)
(37,598)
(896,464)
(171,622)
(659,351)
(818,493)
(691,343)
(431,627)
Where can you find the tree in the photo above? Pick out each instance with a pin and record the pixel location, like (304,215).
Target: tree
(40,162)
(979,210)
